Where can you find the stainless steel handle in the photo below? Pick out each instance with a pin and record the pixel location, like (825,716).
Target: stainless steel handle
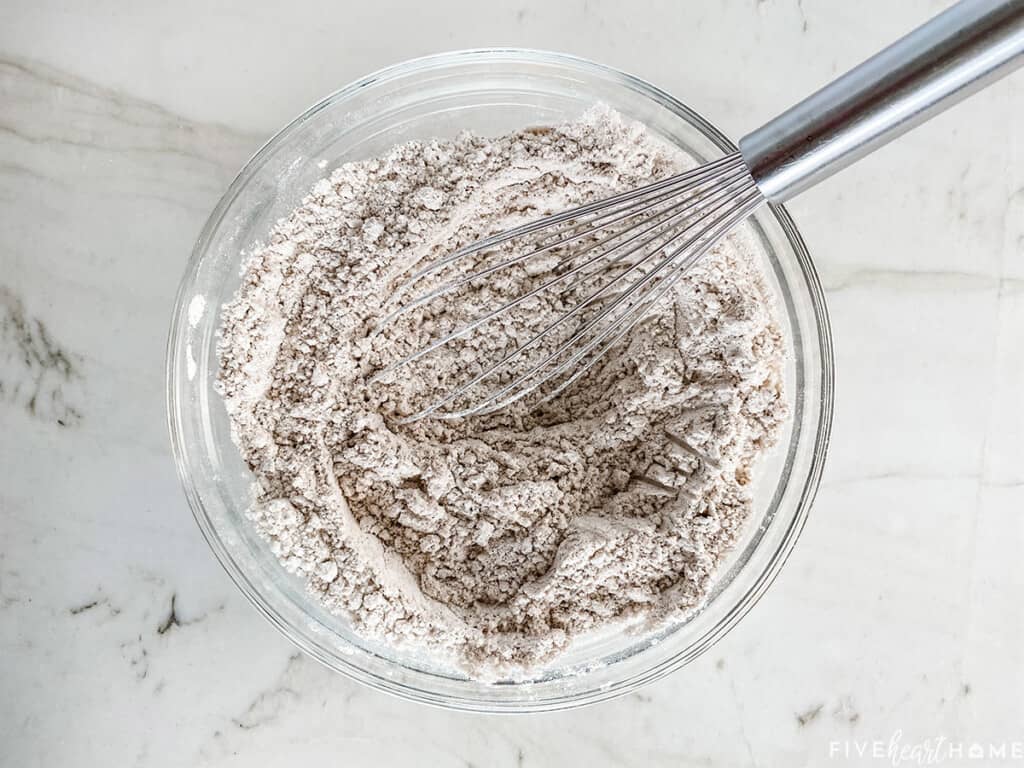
(958,52)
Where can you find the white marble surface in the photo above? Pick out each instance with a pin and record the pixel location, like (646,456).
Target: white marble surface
(122,643)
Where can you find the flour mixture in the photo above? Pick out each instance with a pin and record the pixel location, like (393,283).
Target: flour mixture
(494,540)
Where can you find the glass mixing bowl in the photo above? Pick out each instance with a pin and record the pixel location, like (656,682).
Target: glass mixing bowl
(489,92)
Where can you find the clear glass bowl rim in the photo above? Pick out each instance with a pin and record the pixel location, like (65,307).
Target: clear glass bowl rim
(820,438)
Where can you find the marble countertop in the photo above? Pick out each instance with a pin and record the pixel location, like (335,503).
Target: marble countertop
(122,643)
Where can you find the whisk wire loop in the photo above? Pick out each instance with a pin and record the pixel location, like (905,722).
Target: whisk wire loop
(640,242)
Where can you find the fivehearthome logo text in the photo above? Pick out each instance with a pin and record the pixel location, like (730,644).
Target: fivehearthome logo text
(898,750)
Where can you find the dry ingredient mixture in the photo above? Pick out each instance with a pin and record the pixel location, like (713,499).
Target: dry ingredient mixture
(495,540)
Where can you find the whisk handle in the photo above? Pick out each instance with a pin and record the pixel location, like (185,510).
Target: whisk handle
(957,53)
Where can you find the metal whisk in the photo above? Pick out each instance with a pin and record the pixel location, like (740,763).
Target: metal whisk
(616,258)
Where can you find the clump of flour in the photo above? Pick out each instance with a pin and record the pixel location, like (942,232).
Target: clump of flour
(495,539)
